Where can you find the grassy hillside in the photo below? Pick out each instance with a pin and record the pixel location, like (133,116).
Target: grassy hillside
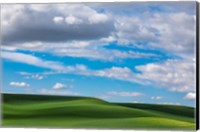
(85,112)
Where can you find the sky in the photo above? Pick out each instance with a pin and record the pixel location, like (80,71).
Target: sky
(137,52)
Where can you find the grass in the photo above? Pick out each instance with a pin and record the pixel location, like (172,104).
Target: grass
(86,112)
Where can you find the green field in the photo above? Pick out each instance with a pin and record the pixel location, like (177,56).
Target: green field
(85,112)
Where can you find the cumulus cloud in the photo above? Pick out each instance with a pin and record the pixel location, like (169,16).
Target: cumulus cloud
(60,86)
(98,18)
(172,74)
(72,20)
(130,30)
(52,23)
(190,96)
(45,26)
(176,33)
(19,84)
(158,32)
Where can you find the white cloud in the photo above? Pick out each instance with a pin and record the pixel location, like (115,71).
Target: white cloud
(108,39)
(72,20)
(176,33)
(96,53)
(7,13)
(8,48)
(28,75)
(19,84)
(60,86)
(174,75)
(58,19)
(85,49)
(171,32)
(190,96)
(124,94)
(119,73)
(132,29)
(36,76)
(156,97)
(115,72)
(56,92)
(31,60)
(98,18)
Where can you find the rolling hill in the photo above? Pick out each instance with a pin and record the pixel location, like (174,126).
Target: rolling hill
(86,112)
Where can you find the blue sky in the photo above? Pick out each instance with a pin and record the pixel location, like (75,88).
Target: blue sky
(119,52)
